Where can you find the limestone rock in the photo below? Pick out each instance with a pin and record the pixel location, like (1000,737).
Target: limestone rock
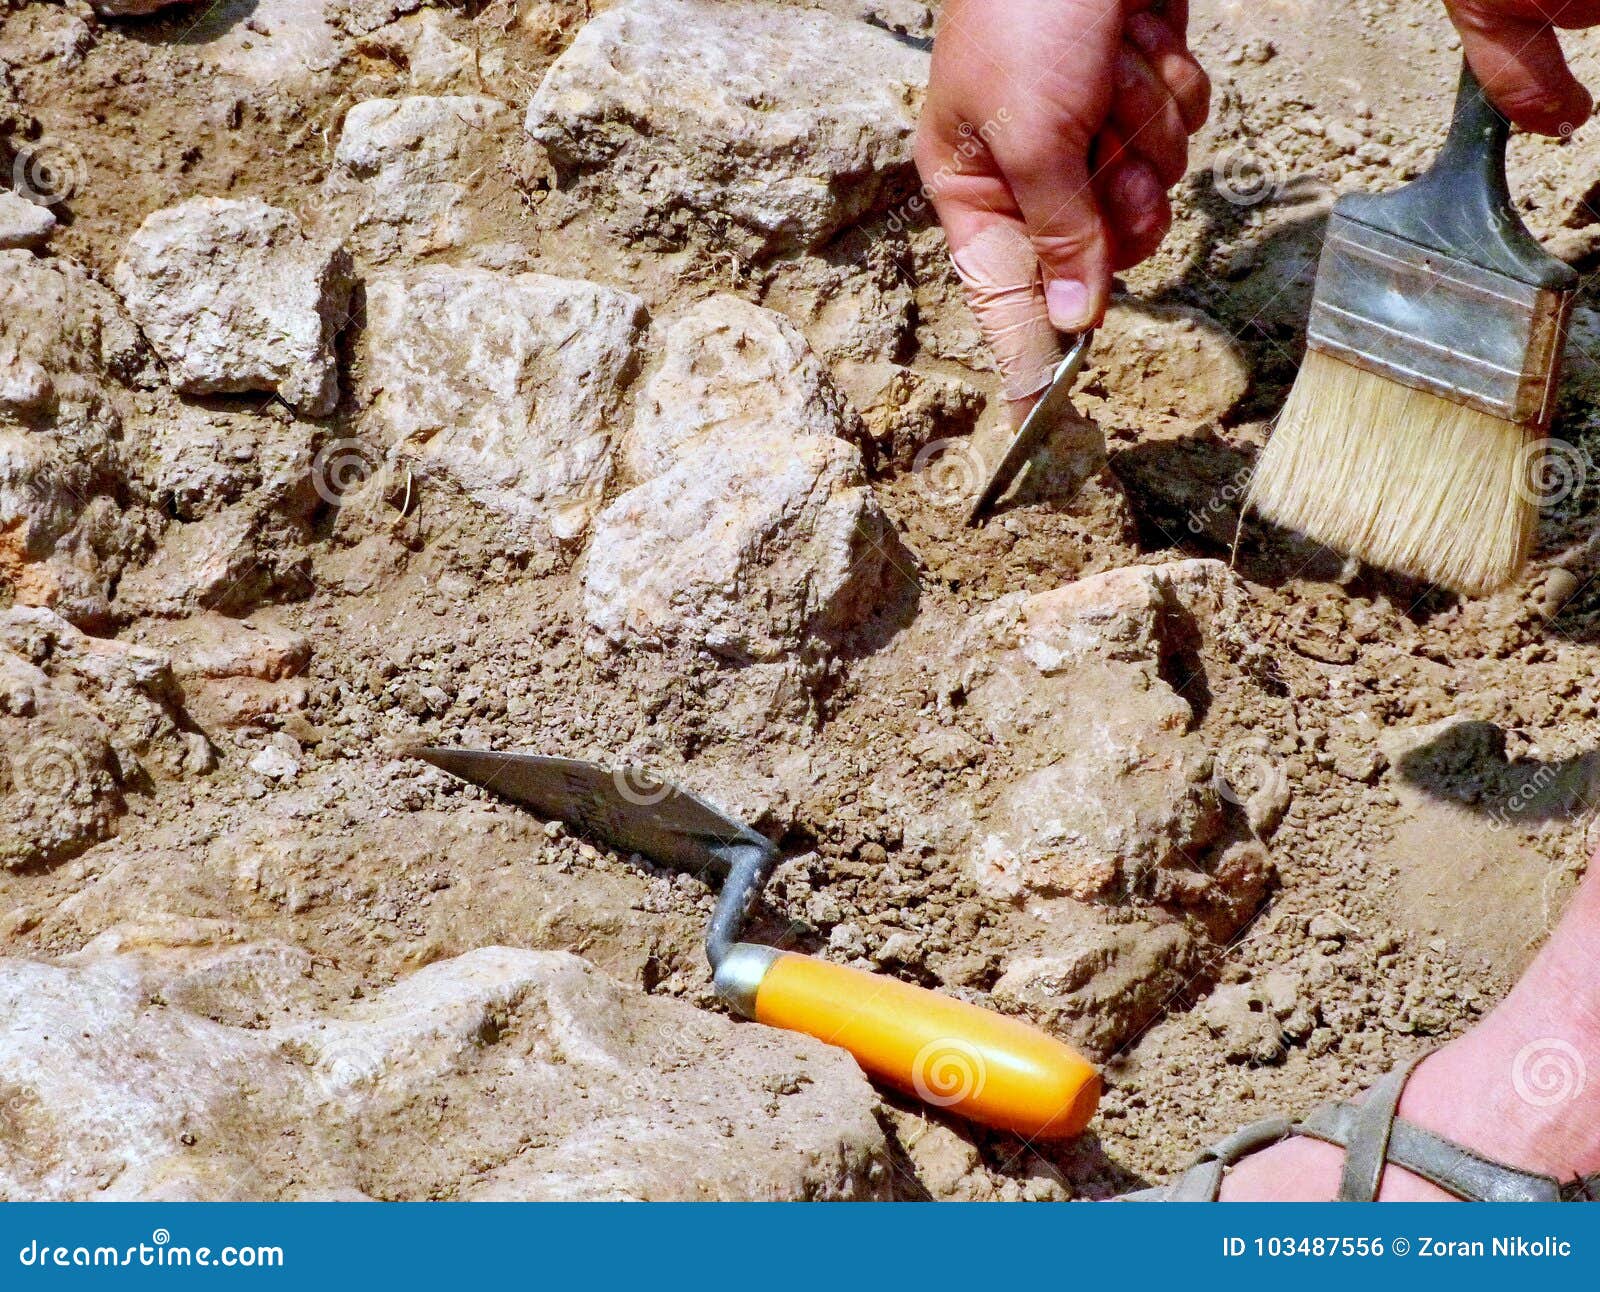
(1136,798)
(69,355)
(404,168)
(730,368)
(133,8)
(23,223)
(1112,796)
(745,548)
(504,385)
(129,687)
(906,409)
(58,788)
(1171,360)
(634,1096)
(82,719)
(235,296)
(785,123)
(1100,984)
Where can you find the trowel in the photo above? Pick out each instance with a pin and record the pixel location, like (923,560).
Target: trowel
(1042,418)
(984,1066)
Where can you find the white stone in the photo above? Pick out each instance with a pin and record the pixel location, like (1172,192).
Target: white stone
(745,547)
(786,122)
(505,385)
(730,367)
(23,223)
(108,1096)
(235,297)
(405,167)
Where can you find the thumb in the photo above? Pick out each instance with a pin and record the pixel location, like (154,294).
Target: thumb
(1067,232)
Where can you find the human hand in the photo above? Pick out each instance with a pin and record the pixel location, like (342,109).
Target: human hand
(1051,133)
(1512,47)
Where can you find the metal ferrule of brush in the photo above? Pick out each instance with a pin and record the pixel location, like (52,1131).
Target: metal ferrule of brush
(1440,287)
(1437,323)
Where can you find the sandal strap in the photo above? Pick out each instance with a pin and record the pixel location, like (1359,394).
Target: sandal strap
(1456,1169)
(1202,1182)
(1372,1136)
(1367,1148)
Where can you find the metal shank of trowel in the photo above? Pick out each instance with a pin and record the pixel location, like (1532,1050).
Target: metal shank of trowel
(748,865)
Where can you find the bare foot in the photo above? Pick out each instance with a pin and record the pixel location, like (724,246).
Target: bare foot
(1523,1087)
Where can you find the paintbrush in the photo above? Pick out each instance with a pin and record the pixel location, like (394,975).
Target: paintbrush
(1413,433)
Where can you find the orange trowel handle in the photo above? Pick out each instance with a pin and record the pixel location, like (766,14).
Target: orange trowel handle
(982,1065)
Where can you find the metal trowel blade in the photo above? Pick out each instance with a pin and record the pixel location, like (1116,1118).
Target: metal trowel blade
(629,809)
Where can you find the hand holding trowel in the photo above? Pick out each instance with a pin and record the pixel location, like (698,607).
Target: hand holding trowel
(987,1067)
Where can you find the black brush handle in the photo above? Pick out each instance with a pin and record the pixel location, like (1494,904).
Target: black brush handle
(1462,205)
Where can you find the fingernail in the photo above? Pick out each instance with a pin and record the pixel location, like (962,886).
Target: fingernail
(1140,191)
(1146,31)
(1068,302)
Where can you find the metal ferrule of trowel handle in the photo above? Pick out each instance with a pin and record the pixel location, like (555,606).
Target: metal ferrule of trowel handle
(740,973)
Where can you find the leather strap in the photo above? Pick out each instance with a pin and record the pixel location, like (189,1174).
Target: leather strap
(1454,1168)
(1372,1136)
(1367,1148)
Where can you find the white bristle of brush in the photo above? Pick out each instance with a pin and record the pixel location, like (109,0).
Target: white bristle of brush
(1403,479)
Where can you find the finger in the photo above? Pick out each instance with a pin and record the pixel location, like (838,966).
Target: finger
(1148,119)
(1057,203)
(1163,46)
(1522,69)
(1175,13)
(1138,212)
(994,259)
